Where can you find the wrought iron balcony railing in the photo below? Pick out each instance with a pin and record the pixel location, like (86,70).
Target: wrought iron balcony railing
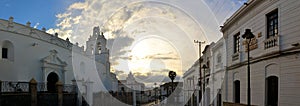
(8,86)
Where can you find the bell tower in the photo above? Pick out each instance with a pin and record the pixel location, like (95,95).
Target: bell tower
(101,44)
(96,44)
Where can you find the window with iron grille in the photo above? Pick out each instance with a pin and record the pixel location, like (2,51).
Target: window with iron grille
(272,23)
(236,43)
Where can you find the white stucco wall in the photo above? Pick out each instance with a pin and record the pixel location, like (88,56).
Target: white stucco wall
(30,46)
(284,66)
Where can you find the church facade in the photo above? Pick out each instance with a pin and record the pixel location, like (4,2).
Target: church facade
(28,53)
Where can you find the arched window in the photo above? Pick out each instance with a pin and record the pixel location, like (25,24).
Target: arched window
(219,58)
(237,91)
(272,91)
(7,50)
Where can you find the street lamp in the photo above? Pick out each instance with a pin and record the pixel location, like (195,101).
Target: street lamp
(248,36)
(172,76)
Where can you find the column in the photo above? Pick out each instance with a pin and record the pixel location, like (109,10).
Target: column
(59,87)
(33,92)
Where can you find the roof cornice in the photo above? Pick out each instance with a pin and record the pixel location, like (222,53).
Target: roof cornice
(240,13)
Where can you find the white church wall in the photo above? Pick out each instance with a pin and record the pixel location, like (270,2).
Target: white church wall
(30,46)
(27,58)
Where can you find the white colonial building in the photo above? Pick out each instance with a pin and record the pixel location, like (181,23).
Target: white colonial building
(190,85)
(213,63)
(28,53)
(274,53)
(217,72)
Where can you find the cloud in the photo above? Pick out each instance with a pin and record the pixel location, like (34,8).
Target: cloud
(78,6)
(163,56)
(62,33)
(117,46)
(76,19)
(120,74)
(65,25)
(154,78)
(124,21)
(149,77)
(63,15)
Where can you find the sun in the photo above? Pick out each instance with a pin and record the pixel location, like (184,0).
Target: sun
(153,53)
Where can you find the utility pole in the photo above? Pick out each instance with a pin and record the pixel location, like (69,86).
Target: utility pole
(200,75)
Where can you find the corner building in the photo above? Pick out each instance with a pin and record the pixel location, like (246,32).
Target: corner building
(274,53)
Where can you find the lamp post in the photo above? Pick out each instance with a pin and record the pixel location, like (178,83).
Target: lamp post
(199,80)
(248,36)
(172,76)
(204,75)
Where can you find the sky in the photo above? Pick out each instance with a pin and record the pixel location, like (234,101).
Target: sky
(148,38)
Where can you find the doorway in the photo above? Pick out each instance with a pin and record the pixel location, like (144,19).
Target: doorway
(237,91)
(52,79)
(272,91)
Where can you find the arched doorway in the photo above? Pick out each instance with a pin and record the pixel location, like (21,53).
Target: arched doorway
(272,91)
(51,81)
(237,91)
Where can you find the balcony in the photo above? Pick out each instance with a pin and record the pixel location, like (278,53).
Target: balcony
(271,42)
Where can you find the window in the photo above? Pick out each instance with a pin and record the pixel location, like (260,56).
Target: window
(219,58)
(236,43)
(7,50)
(272,23)
(4,53)
(237,91)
